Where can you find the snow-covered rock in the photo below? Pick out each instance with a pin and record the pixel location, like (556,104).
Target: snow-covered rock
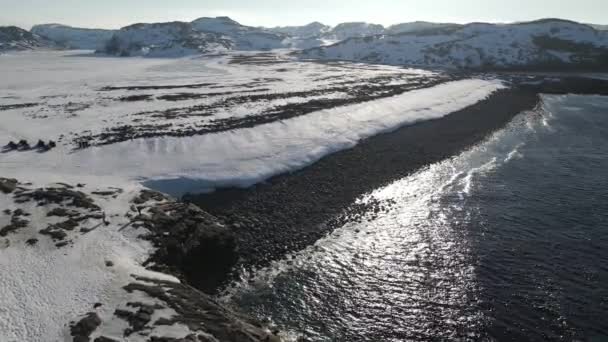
(244,37)
(15,38)
(73,37)
(549,43)
(171,39)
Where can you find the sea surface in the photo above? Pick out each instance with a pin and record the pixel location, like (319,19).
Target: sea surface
(505,242)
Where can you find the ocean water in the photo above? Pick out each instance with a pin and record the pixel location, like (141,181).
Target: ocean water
(505,242)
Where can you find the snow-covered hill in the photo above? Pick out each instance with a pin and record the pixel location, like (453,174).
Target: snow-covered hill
(549,43)
(73,37)
(317,34)
(244,37)
(354,29)
(15,38)
(172,39)
(204,35)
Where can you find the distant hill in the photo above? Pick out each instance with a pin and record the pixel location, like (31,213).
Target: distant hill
(599,27)
(243,37)
(203,35)
(14,38)
(417,26)
(171,39)
(312,30)
(549,43)
(74,37)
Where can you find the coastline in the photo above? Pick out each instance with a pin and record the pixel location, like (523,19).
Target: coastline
(291,211)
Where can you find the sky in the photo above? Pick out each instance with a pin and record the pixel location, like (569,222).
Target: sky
(119,13)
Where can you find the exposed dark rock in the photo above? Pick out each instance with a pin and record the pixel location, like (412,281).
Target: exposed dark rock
(104,193)
(109,263)
(40,145)
(16,223)
(31,241)
(66,225)
(58,195)
(18,106)
(137,320)
(148,195)
(60,212)
(55,234)
(85,327)
(62,244)
(8,185)
(189,338)
(81,339)
(11,146)
(134,98)
(104,339)
(7,229)
(19,212)
(23,145)
(191,243)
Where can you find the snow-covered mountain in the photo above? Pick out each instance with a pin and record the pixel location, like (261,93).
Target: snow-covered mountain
(73,37)
(165,40)
(548,43)
(312,30)
(15,38)
(244,37)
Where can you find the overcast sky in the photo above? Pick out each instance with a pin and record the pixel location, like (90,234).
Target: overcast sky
(118,13)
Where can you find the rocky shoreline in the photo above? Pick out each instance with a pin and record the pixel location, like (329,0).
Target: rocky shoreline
(292,211)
